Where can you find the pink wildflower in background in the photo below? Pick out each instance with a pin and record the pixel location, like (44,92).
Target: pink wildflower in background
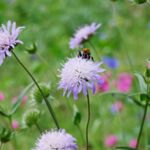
(24,100)
(14,99)
(111,141)
(103,87)
(2,96)
(133,143)
(124,82)
(15,124)
(117,107)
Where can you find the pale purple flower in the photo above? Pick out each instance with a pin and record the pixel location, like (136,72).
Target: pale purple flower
(83,34)
(56,140)
(8,39)
(79,75)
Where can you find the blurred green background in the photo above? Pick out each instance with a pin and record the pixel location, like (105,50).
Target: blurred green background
(50,24)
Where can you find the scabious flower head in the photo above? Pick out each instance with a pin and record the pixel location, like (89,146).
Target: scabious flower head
(31,117)
(77,75)
(124,82)
(83,34)
(8,39)
(56,139)
(111,141)
(36,94)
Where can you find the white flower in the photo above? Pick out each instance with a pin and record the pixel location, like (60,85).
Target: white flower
(77,75)
(8,39)
(83,34)
(56,140)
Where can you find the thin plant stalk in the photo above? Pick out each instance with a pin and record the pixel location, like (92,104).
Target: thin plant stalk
(143,119)
(36,83)
(14,136)
(88,122)
(38,127)
(123,35)
(92,45)
(142,124)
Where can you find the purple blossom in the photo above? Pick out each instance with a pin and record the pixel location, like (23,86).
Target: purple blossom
(8,39)
(77,75)
(111,62)
(83,34)
(56,139)
(117,107)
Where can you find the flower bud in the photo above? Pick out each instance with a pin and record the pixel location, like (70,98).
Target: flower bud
(31,117)
(5,135)
(147,73)
(32,49)
(36,94)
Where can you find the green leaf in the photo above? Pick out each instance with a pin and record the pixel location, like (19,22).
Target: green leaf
(144,97)
(5,134)
(3,113)
(19,100)
(137,102)
(125,147)
(142,84)
(140,1)
(32,48)
(77,116)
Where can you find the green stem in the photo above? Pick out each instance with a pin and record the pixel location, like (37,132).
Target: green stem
(123,36)
(92,45)
(88,122)
(38,127)
(142,124)
(129,60)
(14,143)
(46,101)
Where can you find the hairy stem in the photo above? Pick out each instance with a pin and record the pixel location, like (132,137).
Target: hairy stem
(142,125)
(38,127)
(45,99)
(92,45)
(88,122)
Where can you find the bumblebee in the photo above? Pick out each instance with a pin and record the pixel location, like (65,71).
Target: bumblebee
(85,54)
